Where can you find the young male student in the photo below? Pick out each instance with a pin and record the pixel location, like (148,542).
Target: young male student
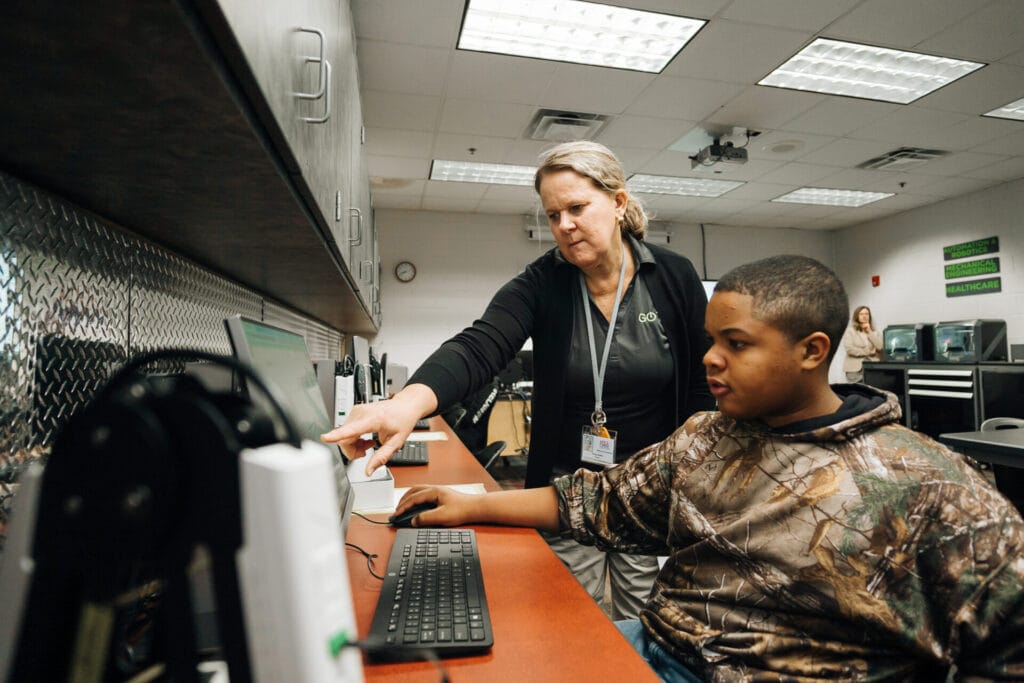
(809,534)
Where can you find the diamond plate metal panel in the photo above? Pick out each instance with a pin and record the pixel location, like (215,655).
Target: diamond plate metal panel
(77,296)
(321,341)
(65,313)
(176,303)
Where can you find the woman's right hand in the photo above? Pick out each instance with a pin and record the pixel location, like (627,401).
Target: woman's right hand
(392,420)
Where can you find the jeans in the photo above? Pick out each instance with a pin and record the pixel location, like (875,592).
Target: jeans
(668,668)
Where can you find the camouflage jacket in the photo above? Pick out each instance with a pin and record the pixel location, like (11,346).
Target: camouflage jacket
(861,550)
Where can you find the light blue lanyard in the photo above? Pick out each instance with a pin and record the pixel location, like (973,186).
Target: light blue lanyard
(598,417)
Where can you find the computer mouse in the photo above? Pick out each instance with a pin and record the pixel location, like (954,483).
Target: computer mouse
(405,519)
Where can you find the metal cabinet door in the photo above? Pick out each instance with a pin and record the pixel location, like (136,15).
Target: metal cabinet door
(295,50)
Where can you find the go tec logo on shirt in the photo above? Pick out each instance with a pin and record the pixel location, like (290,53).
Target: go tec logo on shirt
(648,317)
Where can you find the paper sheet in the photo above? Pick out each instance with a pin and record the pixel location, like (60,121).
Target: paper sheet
(427,436)
(475,488)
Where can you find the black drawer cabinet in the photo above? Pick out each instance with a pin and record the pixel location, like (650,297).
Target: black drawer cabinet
(940,397)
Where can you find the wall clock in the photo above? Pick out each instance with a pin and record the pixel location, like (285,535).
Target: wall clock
(405,271)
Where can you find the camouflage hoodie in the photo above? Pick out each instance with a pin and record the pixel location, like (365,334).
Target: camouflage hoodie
(858,550)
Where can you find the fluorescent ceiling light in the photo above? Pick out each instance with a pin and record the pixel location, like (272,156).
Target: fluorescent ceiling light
(473,172)
(573,31)
(690,187)
(1013,110)
(875,73)
(830,197)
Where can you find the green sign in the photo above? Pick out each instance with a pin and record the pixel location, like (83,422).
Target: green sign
(989,245)
(972,268)
(989,285)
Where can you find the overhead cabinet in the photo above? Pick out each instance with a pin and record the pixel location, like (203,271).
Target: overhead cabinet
(226,130)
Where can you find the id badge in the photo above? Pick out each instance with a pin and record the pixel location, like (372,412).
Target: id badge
(598,449)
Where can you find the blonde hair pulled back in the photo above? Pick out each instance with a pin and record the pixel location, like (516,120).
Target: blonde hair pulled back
(598,163)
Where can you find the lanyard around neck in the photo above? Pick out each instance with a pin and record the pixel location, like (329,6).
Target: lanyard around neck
(598,417)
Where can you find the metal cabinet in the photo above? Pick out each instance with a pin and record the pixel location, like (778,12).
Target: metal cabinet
(302,55)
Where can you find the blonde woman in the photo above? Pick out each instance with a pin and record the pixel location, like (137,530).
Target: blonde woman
(862,342)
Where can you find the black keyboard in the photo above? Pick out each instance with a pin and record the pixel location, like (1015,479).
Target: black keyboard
(411,453)
(433,595)
(422,423)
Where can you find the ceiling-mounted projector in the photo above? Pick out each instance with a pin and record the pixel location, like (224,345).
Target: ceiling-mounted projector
(718,152)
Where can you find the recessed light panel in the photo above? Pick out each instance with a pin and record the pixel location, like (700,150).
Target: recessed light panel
(829,197)
(875,73)
(579,32)
(690,187)
(1013,110)
(472,172)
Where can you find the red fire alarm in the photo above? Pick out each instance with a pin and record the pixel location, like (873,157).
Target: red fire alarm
(875,280)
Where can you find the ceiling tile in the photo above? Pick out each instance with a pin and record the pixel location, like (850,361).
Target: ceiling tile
(797,173)
(910,126)
(737,53)
(839,115)
(484,76)
(957,164)
(683,98)
(1007,169)
(846,152)
(978,92)
(797,14)
(393,67)
(484,118)
(397,167)
(393,142)
(902,24)
(643,131)
(762,108)
(594,89)
(456,147)
(395,110)
(986,34)
(422,22)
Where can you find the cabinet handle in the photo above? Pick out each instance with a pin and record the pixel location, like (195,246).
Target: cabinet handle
(323,88)
(376,300)
(358,240)
(327,100)
(362,277)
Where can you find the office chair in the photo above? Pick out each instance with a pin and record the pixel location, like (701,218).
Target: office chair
(994,423)
(490,453)
(1008,480)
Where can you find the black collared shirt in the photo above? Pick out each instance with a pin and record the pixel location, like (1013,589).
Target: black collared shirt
(638,384)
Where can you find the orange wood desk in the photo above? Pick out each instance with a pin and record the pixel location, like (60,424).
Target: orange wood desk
(546,627)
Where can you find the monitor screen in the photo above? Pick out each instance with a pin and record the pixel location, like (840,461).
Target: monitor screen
(281,358)
(709,287)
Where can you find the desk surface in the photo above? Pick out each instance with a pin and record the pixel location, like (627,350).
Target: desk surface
(546,627)
(1000,446)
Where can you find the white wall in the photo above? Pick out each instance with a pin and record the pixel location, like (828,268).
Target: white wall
(462,260)
(906,252)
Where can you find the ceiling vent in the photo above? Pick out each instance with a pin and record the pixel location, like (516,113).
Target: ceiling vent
(902,159)
(565,126)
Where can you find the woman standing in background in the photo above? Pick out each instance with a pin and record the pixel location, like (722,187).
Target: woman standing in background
(862,342)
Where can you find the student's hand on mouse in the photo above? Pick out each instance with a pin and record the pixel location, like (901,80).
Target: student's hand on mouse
(453,508)
(392,420)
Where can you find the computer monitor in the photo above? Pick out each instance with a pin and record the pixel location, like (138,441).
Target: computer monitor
(281,358)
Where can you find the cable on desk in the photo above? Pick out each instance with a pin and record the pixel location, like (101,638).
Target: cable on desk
(369,559)
(371,521)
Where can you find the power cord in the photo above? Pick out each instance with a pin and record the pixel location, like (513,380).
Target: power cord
(370,557)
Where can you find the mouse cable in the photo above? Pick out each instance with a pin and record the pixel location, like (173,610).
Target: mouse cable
(369,559)
(371,521)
